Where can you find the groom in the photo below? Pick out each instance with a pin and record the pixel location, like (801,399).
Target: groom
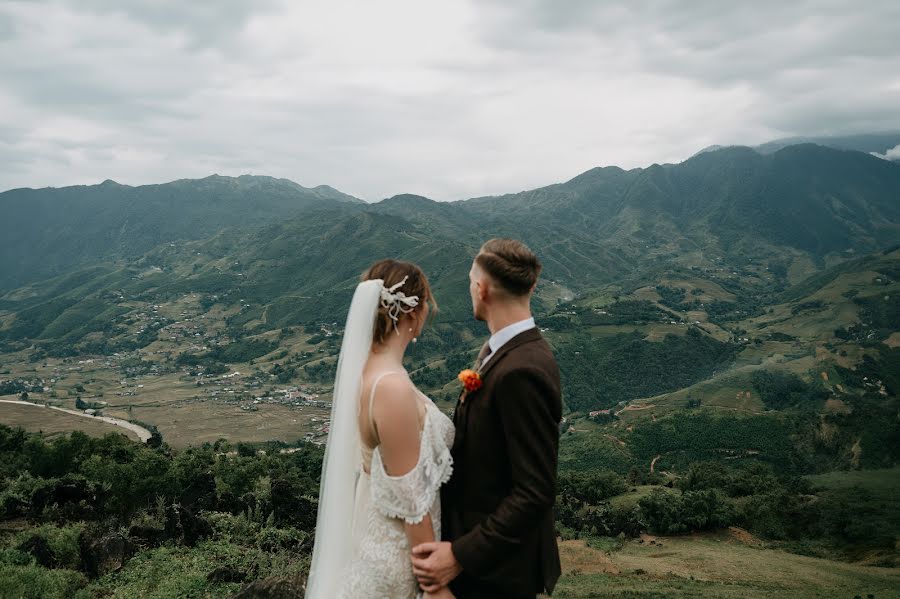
(498,527)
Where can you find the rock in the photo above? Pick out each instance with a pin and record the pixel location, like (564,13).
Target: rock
(105,554)
(183,524)
(147,536)
(194,528)
(273,587)
(226,574)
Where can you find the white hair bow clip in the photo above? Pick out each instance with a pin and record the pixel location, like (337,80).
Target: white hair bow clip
(397,302)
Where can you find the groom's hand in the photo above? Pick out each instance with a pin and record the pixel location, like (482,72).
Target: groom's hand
(434,565)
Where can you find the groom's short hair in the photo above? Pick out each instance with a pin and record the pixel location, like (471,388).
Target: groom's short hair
(510,264)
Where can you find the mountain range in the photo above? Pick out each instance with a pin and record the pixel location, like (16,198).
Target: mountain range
(878,144)
(50,231)
(727,331)
(734,227)
(733,203)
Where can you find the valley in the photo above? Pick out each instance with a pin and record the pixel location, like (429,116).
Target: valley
(727,330)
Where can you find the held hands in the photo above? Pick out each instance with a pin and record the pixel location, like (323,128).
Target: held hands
(443,593)
(435,566)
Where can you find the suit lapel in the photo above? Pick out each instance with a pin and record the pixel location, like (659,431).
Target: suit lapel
(461,415)
(520,339)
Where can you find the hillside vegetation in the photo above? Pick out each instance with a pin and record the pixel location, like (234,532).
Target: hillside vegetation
(726,330)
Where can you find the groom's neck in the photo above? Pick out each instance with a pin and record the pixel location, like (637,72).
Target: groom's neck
(504,315)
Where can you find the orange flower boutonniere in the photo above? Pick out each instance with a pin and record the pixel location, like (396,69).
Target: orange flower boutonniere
(470,379)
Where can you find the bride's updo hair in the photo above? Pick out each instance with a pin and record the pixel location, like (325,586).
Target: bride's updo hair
(392,272)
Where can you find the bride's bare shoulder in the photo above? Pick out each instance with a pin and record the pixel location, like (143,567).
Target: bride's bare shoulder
(391,393)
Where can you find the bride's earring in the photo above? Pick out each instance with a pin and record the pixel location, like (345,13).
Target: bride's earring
(414,339)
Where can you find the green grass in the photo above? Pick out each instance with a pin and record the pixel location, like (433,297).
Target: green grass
(627,501)
(883,483)
(880,488)
(30,581)
(715,565)
(181,572)
(591,451)
(584,586)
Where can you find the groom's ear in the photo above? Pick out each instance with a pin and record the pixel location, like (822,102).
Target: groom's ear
(482,288)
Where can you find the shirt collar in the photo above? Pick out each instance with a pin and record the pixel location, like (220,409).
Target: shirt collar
(505,335)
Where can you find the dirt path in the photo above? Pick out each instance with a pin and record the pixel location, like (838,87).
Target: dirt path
(616,439)
(653,463)
(142,433)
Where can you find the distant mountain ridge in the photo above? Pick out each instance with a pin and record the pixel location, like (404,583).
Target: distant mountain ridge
(878,144)
(51,230)
(808,197)
(862,142)
(598,227)
(655,279)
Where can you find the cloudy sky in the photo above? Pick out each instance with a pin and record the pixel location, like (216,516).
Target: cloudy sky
(445,99)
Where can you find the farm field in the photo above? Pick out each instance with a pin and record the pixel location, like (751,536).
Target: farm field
(54,422)
(183,412)
(198,423)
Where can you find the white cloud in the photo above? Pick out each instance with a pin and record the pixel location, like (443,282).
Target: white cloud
(448,100)
(890,154)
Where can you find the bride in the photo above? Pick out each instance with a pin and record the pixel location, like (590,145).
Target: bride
(388,449)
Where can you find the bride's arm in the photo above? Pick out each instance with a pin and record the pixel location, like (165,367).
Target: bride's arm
(396,414)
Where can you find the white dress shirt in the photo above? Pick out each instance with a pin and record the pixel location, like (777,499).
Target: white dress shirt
(505,335)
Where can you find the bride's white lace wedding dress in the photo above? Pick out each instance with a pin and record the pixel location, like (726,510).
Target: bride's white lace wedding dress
(381,566)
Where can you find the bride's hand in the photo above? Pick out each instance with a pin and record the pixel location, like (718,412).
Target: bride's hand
(444,593)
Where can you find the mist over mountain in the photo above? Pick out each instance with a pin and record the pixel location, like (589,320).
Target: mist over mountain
(869,143)
(882,145)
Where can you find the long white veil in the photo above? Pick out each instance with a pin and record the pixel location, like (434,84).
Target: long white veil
(333,548)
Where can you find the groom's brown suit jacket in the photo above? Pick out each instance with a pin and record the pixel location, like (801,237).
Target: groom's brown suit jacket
(498,505)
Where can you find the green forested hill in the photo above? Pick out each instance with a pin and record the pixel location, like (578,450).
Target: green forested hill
(716,238)
(50,231)
(727,331)
(810,198)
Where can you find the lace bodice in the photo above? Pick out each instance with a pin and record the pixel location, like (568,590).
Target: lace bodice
(381,566)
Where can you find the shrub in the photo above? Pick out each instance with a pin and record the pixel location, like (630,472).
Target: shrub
(591,487)
(670,513)
(60,541)
(34,582)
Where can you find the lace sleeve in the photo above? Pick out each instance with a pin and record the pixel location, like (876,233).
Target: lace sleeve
(411,495)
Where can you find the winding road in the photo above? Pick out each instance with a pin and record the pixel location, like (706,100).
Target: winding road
(142,433)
